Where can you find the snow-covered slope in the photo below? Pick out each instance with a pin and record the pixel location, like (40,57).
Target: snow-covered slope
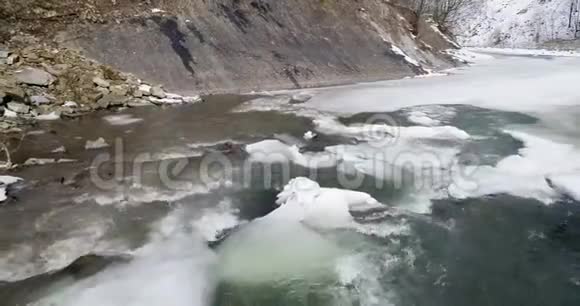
(514,23)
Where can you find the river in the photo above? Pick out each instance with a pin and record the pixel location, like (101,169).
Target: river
(446,190)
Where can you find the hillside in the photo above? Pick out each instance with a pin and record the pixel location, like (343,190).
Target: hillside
(240,45)
(514,23)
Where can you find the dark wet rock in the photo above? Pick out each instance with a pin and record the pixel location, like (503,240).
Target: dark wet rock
(19,108)
(34,76)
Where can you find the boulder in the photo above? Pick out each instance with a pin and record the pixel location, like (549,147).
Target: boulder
(4,53)
(38,100)
(300,98)
(138,103)
(12,92)
(95,97)
(52,70)
(19,108)
(103,90)
(12,59)
(165,101)
(158,92)
(144,89)
(71,104)
(111,100)
(101,82)
(119,90)
(10,114)
(34,76)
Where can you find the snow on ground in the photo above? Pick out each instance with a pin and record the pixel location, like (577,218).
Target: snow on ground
(524,52)
(513,23)
(408,59)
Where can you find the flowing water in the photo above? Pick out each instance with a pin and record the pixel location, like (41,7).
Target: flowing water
(468,193)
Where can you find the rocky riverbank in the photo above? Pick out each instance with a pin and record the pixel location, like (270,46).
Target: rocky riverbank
(39,81)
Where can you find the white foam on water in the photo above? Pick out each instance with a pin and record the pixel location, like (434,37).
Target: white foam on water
(173,268)
(525,174)
(138,194)
(567,184)
(24,261)
(121,120)
(215,220)
(96,144)
(5,181)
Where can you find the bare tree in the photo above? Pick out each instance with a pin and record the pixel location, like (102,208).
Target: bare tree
(442,11)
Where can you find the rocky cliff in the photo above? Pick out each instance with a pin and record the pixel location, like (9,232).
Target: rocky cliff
(242,45)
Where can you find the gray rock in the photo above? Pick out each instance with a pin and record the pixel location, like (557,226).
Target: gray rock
(138,103)
(138,93)
(38,100)
(300,98)
(103,90)
(101,82)
(119,90)
(34,76)
(111,100)
(4,53)
(12,59)
(52,70)
(158,92)
(19,108)
(95,97)
(144,89)
(2,95)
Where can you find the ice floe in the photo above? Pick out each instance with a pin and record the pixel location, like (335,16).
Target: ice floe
(5,181)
